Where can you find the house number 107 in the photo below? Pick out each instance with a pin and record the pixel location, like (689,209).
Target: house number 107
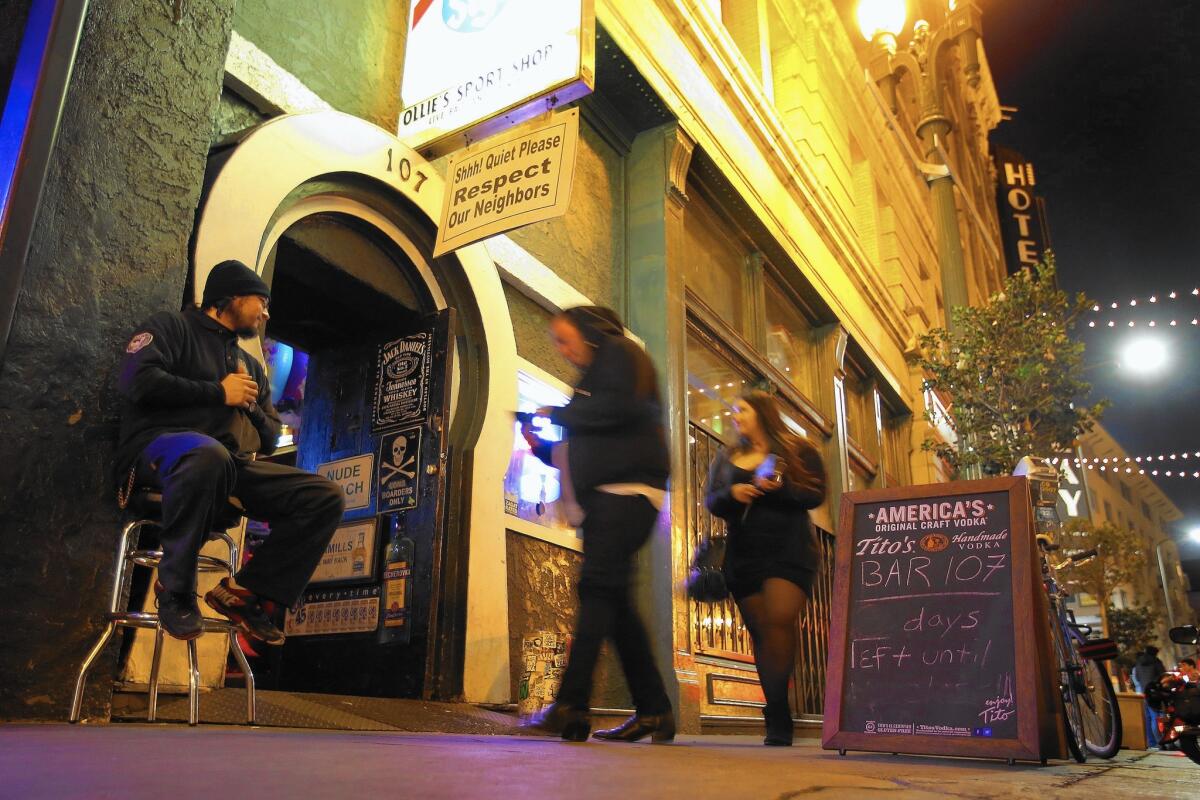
(404,169)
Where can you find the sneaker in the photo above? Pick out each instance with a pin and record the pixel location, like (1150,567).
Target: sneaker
(243,609)
(178,613)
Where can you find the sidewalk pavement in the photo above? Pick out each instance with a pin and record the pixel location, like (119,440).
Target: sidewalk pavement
(173,762)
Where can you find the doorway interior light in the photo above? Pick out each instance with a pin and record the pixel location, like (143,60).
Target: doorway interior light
(1194,533)
(1144,355)
(881,16)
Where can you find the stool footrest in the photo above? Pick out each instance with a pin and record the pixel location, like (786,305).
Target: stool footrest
(152,558)
(149,620)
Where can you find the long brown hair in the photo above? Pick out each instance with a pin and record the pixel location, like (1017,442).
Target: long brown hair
(787,445)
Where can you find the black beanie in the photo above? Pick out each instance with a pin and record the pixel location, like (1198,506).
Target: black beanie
(232,279)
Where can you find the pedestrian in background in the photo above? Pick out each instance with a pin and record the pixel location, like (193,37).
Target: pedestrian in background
(618,467)
(763,487)
(1148,669)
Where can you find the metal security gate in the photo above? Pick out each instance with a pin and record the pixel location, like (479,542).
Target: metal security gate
(812,643)
(717,629)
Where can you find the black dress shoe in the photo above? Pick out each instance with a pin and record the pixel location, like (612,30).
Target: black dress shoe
(780,728)
(659,727)
(571,723)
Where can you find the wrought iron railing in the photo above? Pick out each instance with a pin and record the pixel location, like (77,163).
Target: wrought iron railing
(717,628)
(813,640)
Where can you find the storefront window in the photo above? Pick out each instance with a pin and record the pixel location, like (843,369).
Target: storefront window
(714,384)
(789,341)
(532,489)
(861,422)
(896,450)
(715,264)
(858,478)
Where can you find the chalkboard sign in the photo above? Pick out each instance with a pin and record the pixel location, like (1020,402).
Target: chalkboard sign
(401,386)
(934,644)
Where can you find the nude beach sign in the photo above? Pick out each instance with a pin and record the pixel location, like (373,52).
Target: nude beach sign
(937,631)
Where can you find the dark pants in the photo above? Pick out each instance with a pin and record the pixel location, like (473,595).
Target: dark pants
(614,529)
(197,475)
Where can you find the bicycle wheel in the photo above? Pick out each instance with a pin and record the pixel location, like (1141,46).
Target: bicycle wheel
(1098,706)
(1066,687)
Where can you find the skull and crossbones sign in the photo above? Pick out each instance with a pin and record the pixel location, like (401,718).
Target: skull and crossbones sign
(402,461)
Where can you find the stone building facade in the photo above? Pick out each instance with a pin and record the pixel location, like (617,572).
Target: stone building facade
(742,197)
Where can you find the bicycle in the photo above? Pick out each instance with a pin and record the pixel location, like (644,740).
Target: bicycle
(1089,700)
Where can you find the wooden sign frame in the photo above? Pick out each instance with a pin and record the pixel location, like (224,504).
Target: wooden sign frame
(1032,742)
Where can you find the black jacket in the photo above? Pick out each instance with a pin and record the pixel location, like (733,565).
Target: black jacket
(1147,670)
(615,436)
(786,507)
(170,382)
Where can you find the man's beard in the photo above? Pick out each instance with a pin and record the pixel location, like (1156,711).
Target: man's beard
(247,331)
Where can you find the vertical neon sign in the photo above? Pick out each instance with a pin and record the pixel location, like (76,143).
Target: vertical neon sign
(18,106)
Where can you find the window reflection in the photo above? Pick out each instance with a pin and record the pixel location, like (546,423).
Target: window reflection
(789,340)
(714,385)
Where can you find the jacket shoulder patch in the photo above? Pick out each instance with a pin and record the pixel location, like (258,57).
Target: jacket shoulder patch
(139,341)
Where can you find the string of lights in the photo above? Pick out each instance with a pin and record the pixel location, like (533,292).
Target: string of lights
(1151,324)
(1144,301)
(1141,465)
(1169,473)
(1132,459)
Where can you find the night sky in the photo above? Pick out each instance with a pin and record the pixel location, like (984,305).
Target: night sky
(1109,99)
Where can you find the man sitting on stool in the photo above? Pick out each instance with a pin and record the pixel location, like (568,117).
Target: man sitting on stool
(196,408)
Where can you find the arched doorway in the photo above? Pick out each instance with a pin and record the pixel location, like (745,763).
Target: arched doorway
(340,217)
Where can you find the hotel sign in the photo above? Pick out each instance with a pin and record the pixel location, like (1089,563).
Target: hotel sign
(1022,212)
(1072,500)
(475,67)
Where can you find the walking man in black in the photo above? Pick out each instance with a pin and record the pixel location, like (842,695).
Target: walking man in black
(196,409)
(618,465)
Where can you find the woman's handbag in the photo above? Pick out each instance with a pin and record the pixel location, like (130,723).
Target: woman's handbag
(706,581)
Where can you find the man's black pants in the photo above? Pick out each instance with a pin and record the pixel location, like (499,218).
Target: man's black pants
(615,527)
(197,474)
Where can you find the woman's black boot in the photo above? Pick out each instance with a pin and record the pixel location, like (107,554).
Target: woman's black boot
(779,726)
(659,727)
(571,723)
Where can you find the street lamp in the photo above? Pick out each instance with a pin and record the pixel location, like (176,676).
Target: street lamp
(1145,355)
(1162,574)
(881,21)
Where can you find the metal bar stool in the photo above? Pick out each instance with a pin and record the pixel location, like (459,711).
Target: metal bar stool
(148,507)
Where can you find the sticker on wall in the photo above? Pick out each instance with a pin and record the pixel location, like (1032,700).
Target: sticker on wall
(397,473)
(350,554)
(323,612)
(401,382)
(353,477)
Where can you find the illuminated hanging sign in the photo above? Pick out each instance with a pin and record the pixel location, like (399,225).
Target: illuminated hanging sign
(1070,492)
(1022,212)
(475,67)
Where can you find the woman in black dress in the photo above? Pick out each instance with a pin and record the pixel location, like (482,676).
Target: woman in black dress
(618,465)
(771,555)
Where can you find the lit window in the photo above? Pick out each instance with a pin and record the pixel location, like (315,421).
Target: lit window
(532,490)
